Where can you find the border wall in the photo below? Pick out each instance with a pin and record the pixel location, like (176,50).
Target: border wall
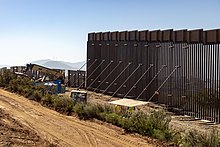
(177,68)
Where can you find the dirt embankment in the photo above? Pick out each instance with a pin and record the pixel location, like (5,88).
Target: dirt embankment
(13,133)
(27,123)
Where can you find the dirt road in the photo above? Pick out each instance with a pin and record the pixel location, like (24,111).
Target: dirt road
(57,129)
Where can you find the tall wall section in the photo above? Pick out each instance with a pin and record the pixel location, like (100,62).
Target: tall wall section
(178,68)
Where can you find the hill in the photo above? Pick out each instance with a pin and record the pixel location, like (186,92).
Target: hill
(1,66)
(59,64)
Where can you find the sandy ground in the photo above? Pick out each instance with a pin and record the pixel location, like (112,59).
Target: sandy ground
(13,133)
(27,123)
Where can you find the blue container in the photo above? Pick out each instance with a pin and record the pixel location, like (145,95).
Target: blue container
(59,86)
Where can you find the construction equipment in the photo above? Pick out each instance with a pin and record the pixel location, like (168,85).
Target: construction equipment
(51,79)
(78,96)
(45,74)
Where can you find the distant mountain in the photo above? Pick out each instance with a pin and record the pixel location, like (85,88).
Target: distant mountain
(60,64)
(57,64)
(76,65)
(1,66)
(41,62)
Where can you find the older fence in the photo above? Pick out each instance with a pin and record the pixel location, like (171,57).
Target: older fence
(76,78)
(180,69)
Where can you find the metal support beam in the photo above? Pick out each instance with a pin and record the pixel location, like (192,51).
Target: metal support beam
(100,73)
(157,91)
(151,65)
(127,79)
(117,77)
(145,88)
(119,63)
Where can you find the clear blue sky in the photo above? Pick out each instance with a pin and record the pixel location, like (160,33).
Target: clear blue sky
(57,29)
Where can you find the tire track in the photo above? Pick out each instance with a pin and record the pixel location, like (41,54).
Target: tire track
(95,128)
(85,137)
(65,130)
(118,136)
(95,141)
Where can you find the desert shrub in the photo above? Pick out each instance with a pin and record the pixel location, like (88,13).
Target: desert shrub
(99,108)
(60,103)
(47,100)
(20,86)
(154,124)
(177,137)
(36,95)
(160,120)
(191,139)
(135,122)
(107,108)
(102,116)
(90,111)
(79,109)
(27,92)
(161,134)
(194,138)
(69,106)
(112,118)
(6,77)
(159,124)
(102,110)
(13,85)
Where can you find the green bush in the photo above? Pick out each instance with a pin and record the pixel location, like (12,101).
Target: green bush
(160,134)
(90,111)
(6,77)
(36,95)
(99,108)
(112,118)
(47,100)
(62,104)
(79,109)
(135,122)
(102,116)
(160,120)
(69,104)
(176,137)
(27,92)
(21,86)
(107,108)
(57,103)
(154,124)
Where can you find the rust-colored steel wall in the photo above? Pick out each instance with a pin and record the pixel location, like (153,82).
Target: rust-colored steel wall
(185,71)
